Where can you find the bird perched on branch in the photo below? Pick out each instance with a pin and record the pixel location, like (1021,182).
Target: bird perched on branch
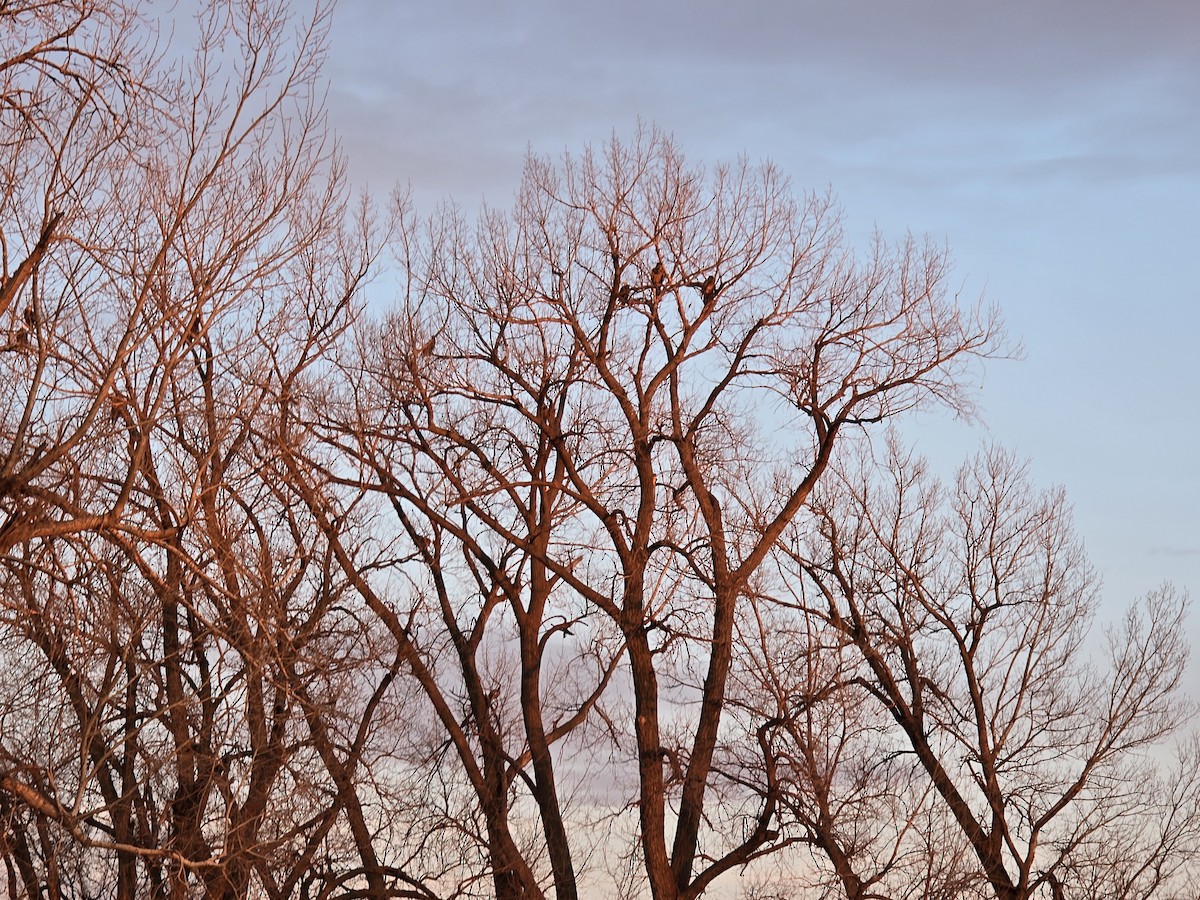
(658,276)
(708,290)
(119,405)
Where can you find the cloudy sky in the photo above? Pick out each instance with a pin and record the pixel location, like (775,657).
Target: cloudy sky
(1054,146)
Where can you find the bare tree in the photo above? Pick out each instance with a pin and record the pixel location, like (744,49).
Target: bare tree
(193,703)
(850,793)
(593,419)
(574,553)
(970,610)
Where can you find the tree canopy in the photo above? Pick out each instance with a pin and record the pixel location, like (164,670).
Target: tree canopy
(588,562)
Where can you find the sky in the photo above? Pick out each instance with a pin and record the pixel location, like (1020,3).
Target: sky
(1053,146)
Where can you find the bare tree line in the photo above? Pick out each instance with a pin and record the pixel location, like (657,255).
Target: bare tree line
(586,564)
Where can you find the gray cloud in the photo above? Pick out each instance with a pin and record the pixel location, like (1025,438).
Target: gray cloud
(453,92)
(1053,145)
(1176,552)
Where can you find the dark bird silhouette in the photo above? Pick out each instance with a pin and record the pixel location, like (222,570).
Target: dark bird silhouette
(677,495)
(658,276)
(193,332)
(623,295)
(19,341)
(30,316)
(120,405)
(708,290)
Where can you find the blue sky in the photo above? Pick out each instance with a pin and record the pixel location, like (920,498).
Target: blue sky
(1055,147)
